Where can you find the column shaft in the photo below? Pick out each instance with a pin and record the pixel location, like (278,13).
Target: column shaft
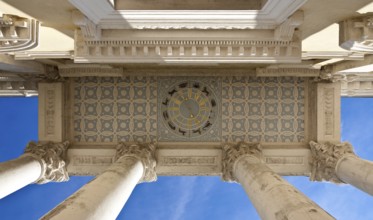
(16,174)
(356,171)
(105,196)
(273,197)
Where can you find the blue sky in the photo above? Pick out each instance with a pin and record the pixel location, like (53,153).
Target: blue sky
(182,198)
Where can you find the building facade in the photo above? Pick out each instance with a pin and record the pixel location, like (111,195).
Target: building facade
(129,91)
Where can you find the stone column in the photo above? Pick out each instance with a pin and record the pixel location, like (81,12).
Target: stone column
(273,197)
(339,164)
(105,196)
(41,163)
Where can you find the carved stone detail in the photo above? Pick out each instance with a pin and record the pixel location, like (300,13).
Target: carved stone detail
(325,157)
(356,33)
(285,31)
(231,154)
(184,50)
(302,72)
(89,29)
(145,153)
(18,33)
(52,157)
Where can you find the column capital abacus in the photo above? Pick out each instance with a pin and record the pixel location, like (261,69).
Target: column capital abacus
(231,154)
(145,153)
(325,157)
(52,157)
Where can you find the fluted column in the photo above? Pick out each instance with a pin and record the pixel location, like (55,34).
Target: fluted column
(272,196)
(339,164)
(41,163)
(105,196)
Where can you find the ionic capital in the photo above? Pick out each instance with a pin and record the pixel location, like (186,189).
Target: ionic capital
(145,153)
(325,157)
(52,157)
(231,154)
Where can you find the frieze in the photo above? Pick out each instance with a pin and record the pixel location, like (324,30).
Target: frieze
(187,161)
(185,51)
(284,160)
(88,160)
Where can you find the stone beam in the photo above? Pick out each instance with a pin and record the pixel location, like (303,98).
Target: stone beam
(356,34)
(9,64)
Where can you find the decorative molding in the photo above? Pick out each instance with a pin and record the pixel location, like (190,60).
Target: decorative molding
(356,34)
(285,31)
(89,29)
(348,66)
(108,50)
(284,160)
(89,160)
(188,159)
(102,13)
(16,86)
(145,153)
(299,72)
(52,157)
(51,112)
(18,33)
(357,85)
(325,157)
(346,55)
(328,111)
(81,70)
(106,70)
(35,55)
(233,152)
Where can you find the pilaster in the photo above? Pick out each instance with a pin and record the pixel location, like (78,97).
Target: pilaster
(233,152)
(328,111)
(325,157)
(51,106)
(52,157)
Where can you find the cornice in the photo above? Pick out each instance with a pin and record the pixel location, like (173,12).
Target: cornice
(18,33)
(356,34)
(102,13)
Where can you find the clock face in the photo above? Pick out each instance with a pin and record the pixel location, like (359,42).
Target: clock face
(189,109)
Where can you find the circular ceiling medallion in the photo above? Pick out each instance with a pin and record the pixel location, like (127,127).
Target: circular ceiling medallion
(189,109)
